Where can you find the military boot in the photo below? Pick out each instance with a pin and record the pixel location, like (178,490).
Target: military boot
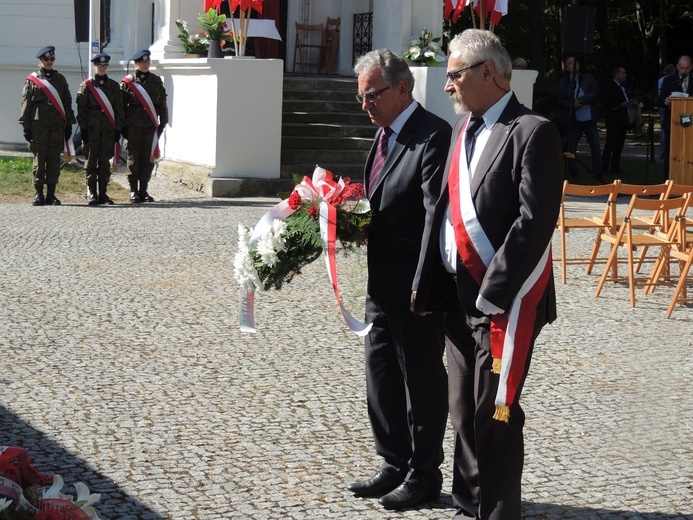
(144,196)
(51,199)
(92,198)
(134,193)
(103,196)
(39,200)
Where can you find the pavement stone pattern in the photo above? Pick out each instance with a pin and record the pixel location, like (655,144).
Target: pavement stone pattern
(123,367)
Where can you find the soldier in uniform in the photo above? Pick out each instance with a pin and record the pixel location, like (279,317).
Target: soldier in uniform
(146,115)
(47,118)
(101,118)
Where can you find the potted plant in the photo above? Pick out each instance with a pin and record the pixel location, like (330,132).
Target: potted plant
(425,50)
(213,24)
(193,44)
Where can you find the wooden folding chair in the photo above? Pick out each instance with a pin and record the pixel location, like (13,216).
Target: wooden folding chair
(682,252)
(331,42)
(629,240)
(310,49)
(640,221)
(685,259)
(599,223)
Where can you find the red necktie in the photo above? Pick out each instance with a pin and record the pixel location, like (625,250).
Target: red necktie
(380,156)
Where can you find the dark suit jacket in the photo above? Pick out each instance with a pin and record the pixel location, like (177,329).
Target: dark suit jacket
(615,114)
(402,203)
(516,191)
(672,84)
(590,91)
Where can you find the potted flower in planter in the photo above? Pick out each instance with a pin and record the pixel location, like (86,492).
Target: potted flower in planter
(425,50)
(213,24)
(194,45)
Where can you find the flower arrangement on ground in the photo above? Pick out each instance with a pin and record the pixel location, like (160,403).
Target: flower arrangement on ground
(319,213)
(22,496)
(425,49)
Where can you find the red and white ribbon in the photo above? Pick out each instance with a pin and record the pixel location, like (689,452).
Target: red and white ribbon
(54,97)
(146,101)
(323,190)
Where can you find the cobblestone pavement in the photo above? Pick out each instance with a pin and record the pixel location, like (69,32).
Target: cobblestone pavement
(123,367)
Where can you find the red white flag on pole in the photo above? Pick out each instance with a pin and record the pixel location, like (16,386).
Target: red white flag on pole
(212,3)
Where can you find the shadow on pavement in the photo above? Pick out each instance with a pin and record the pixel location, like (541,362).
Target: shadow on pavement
(50,458)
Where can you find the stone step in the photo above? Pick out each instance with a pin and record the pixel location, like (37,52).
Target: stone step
(314,83)
(303,156)
(326,143)
(324,95)
(338,118)
(328,130)
(320,105)
(353,171)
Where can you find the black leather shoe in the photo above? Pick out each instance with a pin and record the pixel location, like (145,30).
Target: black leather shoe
(408,495)
(39,200)
(380,484)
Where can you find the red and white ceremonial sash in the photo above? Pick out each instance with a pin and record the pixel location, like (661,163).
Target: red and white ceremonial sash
(107,109)
(511,332)
(54,97)
(146,101)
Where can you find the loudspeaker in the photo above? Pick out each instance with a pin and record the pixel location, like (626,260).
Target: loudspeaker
(578,30)
(82,20)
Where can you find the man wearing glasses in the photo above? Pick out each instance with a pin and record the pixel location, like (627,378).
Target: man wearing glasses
(406,383)
(47,118)
(486,259)
(101,117)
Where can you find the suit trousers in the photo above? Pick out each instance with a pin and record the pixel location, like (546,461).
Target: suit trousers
(406,387)
(489,454)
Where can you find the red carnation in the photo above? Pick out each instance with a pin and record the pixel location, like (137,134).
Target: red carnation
(314,212)
(295,201)
(354,191)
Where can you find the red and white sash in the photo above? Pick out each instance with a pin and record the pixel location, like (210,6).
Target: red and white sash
(107,109)
(511,332)
(54,97)
(146,101)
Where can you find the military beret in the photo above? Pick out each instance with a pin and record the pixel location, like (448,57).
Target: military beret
(46,52)
(141,54)
(101,57)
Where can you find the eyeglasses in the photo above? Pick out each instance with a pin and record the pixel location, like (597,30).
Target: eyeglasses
(102,65)
(452,76)
(52,58)
(372,96)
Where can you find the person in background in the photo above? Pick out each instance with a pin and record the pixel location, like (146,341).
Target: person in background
(146,115)
(669,69)
(486,260)
(677,81)
(577,95)
(406,382)
(101,117)
(616,107)
(47,118)
(520,64)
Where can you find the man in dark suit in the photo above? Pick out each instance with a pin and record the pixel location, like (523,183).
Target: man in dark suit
(486,259)
(577,94)
(406,382)
(677,82)
(616,106)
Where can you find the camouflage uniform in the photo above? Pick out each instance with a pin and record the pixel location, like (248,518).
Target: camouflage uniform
(140,131)
(46,130)
(99,136)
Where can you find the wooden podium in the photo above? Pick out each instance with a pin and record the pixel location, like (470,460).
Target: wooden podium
(681,142)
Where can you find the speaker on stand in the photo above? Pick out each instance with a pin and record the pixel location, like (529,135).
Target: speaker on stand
(82,20)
